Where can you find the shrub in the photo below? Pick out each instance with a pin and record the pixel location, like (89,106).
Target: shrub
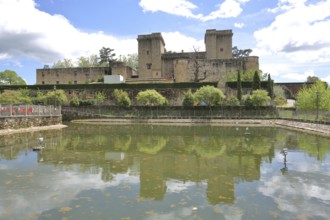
(280,101)
(247,100)
(74,101)
(260,98)
(57,97)
(122,98)
(99,98)
(15,97)
(151,98)
(188,99)
(316,96)
(232,101)
(210,95)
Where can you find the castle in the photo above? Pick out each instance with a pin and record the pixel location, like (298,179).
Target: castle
(155,64)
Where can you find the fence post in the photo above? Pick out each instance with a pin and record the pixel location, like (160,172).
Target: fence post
(11,110)
(26,106)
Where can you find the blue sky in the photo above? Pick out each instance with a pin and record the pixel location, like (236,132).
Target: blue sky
(291,37)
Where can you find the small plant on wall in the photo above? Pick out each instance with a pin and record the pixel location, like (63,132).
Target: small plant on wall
(188,99)
(122,98)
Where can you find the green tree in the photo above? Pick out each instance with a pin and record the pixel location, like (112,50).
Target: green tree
(316,95)
(188,99)
(239,86)
(210,95)
(66,63)
(313,79)
(15,97)
(256,81)
(122,98)
(83,62)
(260,98)
(151,97)
(237,53)
(246,76)
(10,77)
(107,57)
(131,60)
(270,88)
(91,61)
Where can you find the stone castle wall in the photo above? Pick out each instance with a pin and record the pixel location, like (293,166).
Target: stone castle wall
(80,75)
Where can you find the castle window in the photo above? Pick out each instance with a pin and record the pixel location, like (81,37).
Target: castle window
(149,66)
(147,52)
(57,82)
(43,82)
(75,82)
(42,74)
(221,49)
(75,73)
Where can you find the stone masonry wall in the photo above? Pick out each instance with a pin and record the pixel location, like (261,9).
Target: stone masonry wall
(26,122)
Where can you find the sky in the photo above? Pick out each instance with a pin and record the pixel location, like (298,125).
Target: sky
(291,37)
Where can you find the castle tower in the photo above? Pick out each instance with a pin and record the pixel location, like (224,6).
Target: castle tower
(218,44)
(150,49)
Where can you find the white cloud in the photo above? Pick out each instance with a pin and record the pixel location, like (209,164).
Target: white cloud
(300,33)
(285,5)
(47,38)
(176,7)
(239,25)
(327,79)
(177,42)
(227,9)
(298,76)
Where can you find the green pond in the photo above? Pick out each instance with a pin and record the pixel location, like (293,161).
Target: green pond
(167,172)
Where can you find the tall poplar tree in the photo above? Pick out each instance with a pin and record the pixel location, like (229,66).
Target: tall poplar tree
(239,86)
(256,81)
(270,88)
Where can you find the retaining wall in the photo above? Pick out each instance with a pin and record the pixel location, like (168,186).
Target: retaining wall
(26,122)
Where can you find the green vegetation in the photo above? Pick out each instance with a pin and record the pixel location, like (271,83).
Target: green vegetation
(188,99)
(256,81)
(270,86)
(9,77)
(210,95)
(151,97)
(239,86)
(279,94)
(99,98)
(56,97)
(246,76)
(258,98)
(122,98)
(131,60)
(74,101)
(317,96)
(231,101)
(15,97)
(66,63)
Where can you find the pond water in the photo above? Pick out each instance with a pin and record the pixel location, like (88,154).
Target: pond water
(164,172)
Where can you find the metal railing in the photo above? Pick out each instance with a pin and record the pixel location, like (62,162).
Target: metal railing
(305,115)
(22,110)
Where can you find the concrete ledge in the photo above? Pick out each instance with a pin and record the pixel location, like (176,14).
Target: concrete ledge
(31,129)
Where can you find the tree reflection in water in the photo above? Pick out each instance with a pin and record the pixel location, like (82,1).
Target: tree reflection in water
(218,157)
